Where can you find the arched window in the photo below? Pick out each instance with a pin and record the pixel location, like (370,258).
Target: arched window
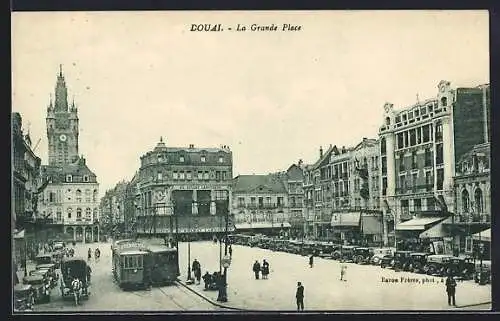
(478,201)
(94,196)
(78,213)
(387,120)
(95,213)
(69,211)
(87,195)
(59,214)
(88,213)
(78,196)
(465,201)
(444,101)
(382,146)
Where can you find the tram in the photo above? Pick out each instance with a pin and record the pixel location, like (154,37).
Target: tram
(136,265)
(164,264)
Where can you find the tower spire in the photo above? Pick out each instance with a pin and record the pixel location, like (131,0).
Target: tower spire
(60,70)
(61,103)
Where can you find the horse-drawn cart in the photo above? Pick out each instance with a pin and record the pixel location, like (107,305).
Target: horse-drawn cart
(75,280)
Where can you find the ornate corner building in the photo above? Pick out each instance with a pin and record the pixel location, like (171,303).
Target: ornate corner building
(419,147)
(69,204)
(182,190)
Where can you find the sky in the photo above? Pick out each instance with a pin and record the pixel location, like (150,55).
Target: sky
(273,97)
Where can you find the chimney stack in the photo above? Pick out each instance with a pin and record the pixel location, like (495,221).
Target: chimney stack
(191,145)
(320,151)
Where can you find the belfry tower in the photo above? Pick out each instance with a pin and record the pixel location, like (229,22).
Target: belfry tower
(62,126)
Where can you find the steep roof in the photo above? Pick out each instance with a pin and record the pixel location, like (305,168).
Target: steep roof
(325,158)
(258,183)
(295,173)
(77,169)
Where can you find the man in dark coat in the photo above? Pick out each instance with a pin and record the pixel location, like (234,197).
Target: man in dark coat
(197,270)
(265,269)
(256,269)
(299,295)
(311,260)
(451,284)
(230,250)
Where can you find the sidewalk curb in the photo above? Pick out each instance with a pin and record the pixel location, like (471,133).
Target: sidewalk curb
(473,304)
(210,300)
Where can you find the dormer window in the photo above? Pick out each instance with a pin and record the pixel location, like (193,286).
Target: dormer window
(69,178)
(203,159)
(221,159)
(181,159)
(86,178)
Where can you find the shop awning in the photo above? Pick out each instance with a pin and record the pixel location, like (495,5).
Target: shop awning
(418,224)
(371,225)
(346,219)
(437,230)
(260,225)
(483,236)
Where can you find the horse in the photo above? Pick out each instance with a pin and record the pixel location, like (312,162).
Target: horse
(76,287)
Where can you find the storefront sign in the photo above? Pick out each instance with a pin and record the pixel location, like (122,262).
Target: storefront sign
(198,187)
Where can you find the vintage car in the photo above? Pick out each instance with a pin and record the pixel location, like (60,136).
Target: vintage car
(482,273)
(57,257)
(307,248)
(401,260)
(461,267)
(417,262)
(347,253)
(58,245)
(437,264)
(51,267)
(378,254)
(387,261)
(44,258)
(327,250)
(24,298)
(362,255)
(40,286)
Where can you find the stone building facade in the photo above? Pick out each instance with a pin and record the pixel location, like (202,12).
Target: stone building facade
(260,204)
(418,151)
(183,190)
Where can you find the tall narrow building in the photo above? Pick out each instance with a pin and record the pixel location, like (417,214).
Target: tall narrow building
(69,204)
(62,126)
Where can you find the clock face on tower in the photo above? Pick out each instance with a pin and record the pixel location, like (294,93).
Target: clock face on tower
(62,138)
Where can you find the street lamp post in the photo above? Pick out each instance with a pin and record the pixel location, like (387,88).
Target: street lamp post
(189,279)
(222,297)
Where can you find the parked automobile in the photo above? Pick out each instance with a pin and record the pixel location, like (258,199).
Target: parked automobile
(40,286)
(325,250)
(378,254)
(417,261)
(401,260)
(482,273)
(44,258)
(58,245)
(51,267)
(362,255)
(347,253)
(387,261)
(437,264)
(24,298)
(461,267)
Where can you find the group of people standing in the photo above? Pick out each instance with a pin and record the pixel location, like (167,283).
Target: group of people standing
(97,254)
(258,268)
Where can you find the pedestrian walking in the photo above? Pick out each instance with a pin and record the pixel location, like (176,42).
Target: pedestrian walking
(311,260)
(230,250)
(299,296)
(197,270)
(256,269)
(89,254)
(451,284)
(97,254)
(343,270)
(265,269)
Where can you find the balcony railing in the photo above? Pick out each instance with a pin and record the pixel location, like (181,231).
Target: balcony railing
(470,218)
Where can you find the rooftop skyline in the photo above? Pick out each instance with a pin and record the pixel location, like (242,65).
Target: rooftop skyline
(273,98)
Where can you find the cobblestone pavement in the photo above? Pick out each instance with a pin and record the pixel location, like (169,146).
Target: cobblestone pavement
(107,296)
(364,289)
